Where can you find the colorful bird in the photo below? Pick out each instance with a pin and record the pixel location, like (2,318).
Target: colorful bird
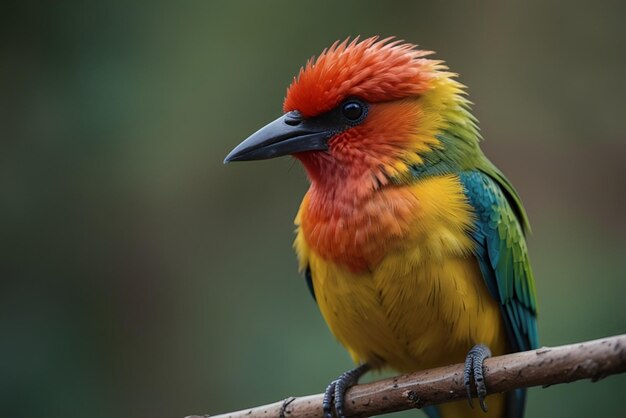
(411,240)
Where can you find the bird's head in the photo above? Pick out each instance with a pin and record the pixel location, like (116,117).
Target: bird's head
(368,113)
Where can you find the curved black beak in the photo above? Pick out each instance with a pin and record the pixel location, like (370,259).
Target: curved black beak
(288,134)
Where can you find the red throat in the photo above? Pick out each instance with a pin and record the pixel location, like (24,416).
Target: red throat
(334,177)
(355,228)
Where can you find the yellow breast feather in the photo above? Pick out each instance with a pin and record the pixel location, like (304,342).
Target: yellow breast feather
(426,292)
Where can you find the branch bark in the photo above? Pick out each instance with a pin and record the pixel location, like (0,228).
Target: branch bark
(546,366)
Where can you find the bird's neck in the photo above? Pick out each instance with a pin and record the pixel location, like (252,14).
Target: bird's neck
(335,179)
(352,227)
(344,209)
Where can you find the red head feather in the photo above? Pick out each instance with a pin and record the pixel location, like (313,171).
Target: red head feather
(374,70)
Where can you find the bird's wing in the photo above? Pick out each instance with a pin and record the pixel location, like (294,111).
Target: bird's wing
(308,277)
(503,257)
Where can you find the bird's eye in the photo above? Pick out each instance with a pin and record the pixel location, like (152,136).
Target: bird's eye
(354,111)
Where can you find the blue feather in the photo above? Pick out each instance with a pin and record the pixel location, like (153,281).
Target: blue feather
(501,253)
(431,411)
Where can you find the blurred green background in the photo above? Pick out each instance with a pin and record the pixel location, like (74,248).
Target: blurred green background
(140,277)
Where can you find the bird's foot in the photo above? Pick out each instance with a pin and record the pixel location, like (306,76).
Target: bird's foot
(335,393)
(283,408)
(474,367)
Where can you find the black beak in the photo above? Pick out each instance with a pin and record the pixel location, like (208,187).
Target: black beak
(288,134)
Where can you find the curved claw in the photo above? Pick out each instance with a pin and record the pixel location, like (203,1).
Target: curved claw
(474,367)
(336,391)
(329,397)
(467,375)
(283,407)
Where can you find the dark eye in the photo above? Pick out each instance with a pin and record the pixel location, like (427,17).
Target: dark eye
(354,111)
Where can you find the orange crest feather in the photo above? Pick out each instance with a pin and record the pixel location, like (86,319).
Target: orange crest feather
(374,70)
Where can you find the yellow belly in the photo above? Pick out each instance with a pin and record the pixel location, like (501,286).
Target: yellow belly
(424,303)
(428,315)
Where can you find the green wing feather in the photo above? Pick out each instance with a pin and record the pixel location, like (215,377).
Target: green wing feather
(502,254)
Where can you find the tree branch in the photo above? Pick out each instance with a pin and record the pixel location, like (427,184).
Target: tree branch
(546,366)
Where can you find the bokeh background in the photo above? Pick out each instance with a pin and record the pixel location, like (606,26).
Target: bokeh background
(140,277)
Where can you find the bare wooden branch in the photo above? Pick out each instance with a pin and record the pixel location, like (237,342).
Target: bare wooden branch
(546,366)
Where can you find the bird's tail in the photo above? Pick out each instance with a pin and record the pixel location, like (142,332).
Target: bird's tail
(515,403)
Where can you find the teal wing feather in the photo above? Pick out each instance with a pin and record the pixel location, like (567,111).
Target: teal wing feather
(503,257)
